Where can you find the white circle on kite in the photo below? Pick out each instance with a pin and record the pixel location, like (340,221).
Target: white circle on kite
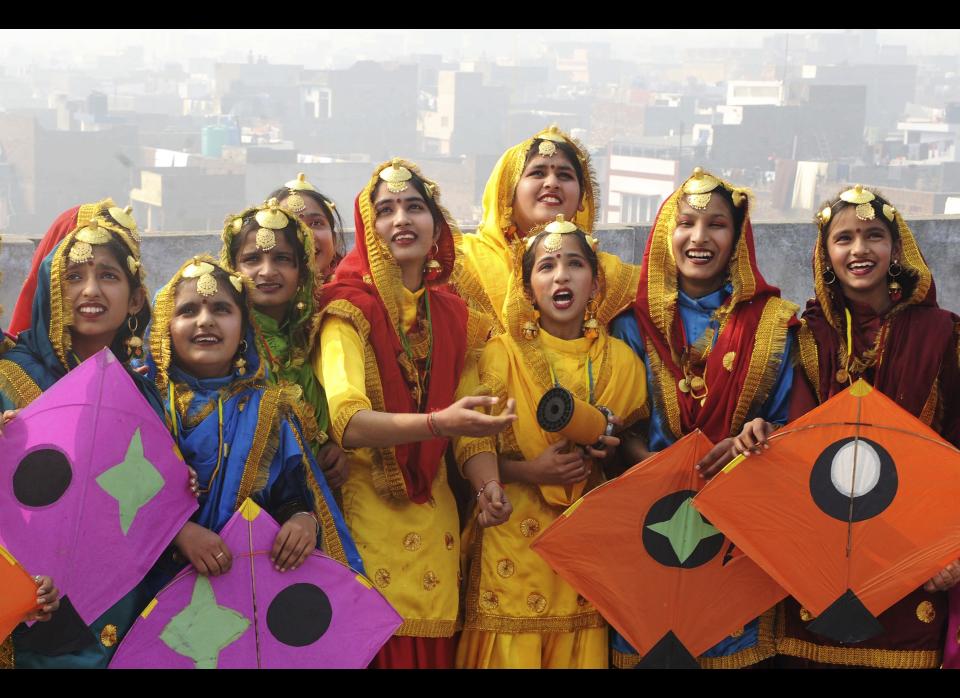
(864,477)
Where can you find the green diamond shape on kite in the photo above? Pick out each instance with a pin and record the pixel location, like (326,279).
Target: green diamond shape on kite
(133,483)
(202,629)
(685,529)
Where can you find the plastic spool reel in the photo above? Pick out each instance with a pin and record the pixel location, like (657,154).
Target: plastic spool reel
(576,420)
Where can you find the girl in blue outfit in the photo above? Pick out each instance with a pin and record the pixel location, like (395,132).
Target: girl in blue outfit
(236,429)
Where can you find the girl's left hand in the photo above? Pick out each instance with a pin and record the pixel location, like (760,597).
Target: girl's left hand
(193,484)
(295,541)
(945,579)
(48,600)
(333,463)
(494,509)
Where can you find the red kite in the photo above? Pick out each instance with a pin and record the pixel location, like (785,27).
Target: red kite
(853,506)
(660,573)
(19,593)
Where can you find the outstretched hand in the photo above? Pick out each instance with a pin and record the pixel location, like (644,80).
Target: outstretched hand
(462,418)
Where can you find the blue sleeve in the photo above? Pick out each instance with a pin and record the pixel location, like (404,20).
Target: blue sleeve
(624,327)
(776,407)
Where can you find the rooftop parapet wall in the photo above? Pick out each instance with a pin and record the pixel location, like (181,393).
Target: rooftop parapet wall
(783,252)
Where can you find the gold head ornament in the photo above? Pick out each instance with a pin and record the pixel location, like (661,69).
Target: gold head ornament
(266,239)
(698,187)
(270,216)
(556,229)
(889,212)
(236,282)
(124,216)
(396,176)
(548,140)
(86,238)
(862,198)
(203,273)
(300,183)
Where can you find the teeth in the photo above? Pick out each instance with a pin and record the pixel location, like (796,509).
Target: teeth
(861,265)
(563,296)
(697,254)
(206,340)
(89,310)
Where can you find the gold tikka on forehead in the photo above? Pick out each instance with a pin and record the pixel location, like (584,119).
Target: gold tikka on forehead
(295,202)
(86,238)
(397,177)
(203,273)
(557,229)
(269,218)
(698,188)
(862,198)
(548,140)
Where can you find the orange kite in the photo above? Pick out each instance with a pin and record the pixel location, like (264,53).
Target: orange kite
(660,573)
(853,506)
(19,593)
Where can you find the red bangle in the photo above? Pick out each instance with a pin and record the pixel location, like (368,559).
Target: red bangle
(432,426)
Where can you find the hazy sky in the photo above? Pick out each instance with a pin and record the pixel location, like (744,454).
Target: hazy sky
(327,48)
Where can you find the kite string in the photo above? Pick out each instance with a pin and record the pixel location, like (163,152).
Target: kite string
(253,592)
(853,482)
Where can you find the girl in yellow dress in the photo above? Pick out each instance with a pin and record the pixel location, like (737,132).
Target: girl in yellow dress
(519,613)
(394,344)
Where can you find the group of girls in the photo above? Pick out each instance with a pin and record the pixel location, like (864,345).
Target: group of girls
(348,394)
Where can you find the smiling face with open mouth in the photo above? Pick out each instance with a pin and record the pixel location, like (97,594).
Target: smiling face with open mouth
(405,223)
(548,186)
(860,254)
(561,283)
(205,330)
(275,273)
(99,293)
(702,245)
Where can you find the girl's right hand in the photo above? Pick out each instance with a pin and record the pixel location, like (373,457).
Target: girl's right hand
(6,417)
(493,507)
(462,419)
(205,550)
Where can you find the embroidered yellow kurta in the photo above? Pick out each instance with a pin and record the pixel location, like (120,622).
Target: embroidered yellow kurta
(511,589)
(410,551)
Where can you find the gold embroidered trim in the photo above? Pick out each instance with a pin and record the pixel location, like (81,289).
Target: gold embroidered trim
(765,360)
(478,329)
(7,660)
(332,545)
(664,390)
(809,358)
(624,660)
(427,627)
(621,281)
(471,447)
(60,316)
(929,410)
(470,288)
(265,432)
(17,384)
(860,656)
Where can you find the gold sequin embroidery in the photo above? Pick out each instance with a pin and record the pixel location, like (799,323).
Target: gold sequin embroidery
(412,541)
(728,360)
(805,615)
(488,601)
(449,540)
(382,577)
(430,580)
(529,527)
(108,636)
(536,602)
(926,612)
(505,568)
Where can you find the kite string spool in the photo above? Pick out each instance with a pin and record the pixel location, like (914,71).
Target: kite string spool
(576,420)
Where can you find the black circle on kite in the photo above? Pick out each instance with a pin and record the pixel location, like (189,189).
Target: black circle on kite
(555,409)
(42,477)
(666,545)
(853,463)
(299,615)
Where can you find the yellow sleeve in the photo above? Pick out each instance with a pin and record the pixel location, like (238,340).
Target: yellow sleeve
(629,371)
(477,366)
(339,366)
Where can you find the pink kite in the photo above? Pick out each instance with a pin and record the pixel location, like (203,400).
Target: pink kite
(92,489)
(321,615)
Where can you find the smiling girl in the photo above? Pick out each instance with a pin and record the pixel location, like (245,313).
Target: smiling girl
(89,295)
(533,182)
(715,340)
(238,431)
(519,613)
(395,345)
(874,287)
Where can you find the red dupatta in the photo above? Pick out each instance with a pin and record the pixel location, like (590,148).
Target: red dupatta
(752,324)
(369,280)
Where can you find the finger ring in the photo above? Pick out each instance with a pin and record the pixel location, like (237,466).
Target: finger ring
(218,555)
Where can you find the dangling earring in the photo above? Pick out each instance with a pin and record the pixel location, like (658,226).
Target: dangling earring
(241,363)
(432,269)
(894,288)
(133,342)
(531,328)
(301,306)
(591,328)
(833,276)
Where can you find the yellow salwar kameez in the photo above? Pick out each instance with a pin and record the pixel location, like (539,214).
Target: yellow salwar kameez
(518,612)
(411,550)
(487,257)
